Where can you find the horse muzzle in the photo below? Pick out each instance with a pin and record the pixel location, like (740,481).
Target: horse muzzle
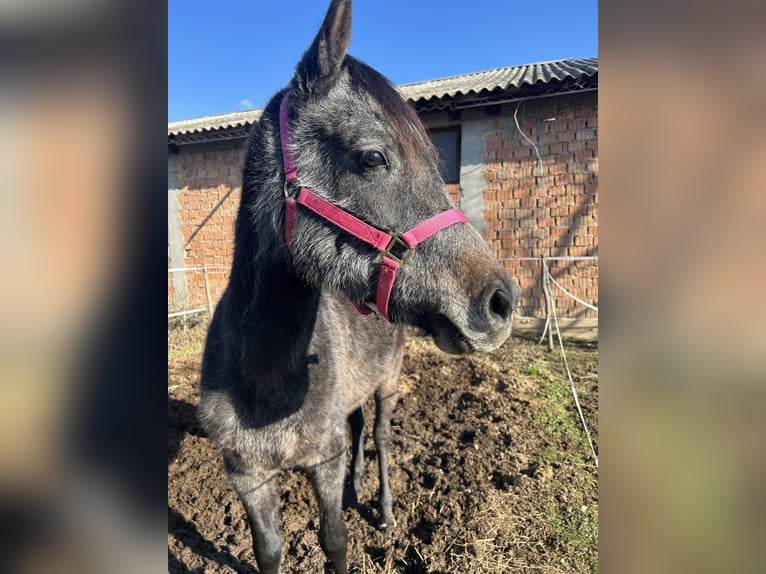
(482,323)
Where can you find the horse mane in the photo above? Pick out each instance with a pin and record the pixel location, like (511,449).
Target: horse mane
(401,116)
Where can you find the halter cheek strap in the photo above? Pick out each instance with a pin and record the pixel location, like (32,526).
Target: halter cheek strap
(396,249)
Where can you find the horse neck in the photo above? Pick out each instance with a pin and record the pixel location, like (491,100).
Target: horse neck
(270,317)
(272,310)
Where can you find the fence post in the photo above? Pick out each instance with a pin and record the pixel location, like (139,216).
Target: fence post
(547,295)
(208,300)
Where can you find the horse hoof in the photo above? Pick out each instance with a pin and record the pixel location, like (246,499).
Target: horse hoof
(383,524)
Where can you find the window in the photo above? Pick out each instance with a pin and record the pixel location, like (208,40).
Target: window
(447,142)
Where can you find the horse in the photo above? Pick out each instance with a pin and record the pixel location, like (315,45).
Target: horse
(345,234)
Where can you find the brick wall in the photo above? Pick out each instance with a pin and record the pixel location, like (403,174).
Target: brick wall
(454,192)
(209,183)
(547,207)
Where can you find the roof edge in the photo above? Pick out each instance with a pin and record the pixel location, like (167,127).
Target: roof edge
(215,127)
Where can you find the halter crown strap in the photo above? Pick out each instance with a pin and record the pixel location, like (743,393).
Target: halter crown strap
(380,240)
(291,172)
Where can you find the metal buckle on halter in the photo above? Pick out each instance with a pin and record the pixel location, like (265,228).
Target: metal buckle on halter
(397,241)
(291,188)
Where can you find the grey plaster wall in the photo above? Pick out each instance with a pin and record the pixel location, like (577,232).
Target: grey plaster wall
(175,238)
(472,184)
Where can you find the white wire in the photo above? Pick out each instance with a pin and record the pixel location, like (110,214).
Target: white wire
(182,313)
(545,329)
(571,381)
(518,127)
(198,268)
(562,258)
(588,305)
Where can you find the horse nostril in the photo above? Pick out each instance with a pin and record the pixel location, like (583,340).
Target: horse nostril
(501,304)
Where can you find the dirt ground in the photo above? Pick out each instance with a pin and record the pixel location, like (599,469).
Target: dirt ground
(491,472)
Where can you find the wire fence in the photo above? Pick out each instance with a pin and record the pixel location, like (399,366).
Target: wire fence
(195,290)
(575,279)
(547,280)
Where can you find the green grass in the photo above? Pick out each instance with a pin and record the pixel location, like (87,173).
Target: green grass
(186,341)
(558,414)
(570,506)
(574,526)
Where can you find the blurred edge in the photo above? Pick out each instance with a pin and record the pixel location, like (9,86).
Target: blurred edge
(82,407)
(682,169)
(683,173)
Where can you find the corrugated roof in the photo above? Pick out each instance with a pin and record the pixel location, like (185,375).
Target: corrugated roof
(463,84)
(500,78)
(217,122)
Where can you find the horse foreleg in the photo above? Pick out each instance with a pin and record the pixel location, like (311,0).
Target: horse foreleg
(356,421)
(328,478)
(385,403)
(259,495)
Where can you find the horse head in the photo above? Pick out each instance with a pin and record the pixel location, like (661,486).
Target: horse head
(359,147)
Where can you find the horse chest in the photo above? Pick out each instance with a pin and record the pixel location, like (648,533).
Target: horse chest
(286,445)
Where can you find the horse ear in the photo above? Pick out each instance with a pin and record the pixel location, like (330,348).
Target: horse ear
(323,60)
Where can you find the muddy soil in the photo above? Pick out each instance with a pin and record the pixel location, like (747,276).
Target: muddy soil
(490,472)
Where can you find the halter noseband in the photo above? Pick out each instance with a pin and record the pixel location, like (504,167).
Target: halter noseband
(402,243)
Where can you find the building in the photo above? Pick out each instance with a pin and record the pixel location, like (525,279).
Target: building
(520,150)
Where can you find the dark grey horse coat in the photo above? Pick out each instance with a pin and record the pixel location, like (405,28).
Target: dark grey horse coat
(288,358)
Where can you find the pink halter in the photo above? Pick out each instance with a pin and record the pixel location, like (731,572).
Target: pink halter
(373,236)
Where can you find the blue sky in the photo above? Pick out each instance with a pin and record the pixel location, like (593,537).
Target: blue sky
(230,55)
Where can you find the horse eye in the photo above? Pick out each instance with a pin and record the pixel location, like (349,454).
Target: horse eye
(373,158)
